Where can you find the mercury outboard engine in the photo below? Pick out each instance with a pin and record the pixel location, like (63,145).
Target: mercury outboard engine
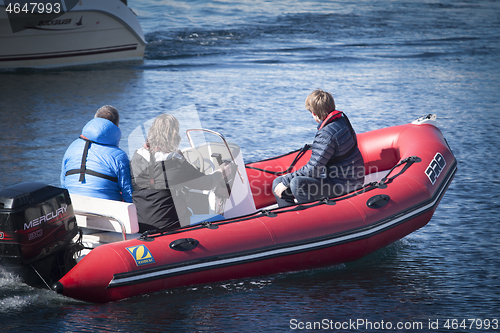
(37,225)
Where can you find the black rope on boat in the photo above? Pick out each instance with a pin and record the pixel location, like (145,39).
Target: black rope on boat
(295,160)
(146,236)
(368,187)
(408,161)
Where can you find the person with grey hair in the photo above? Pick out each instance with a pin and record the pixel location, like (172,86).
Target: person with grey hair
(94,165)
(159,176)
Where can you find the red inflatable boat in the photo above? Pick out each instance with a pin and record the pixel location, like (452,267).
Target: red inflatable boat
(408,169)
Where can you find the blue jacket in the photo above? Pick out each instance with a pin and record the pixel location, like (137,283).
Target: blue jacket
(332,140)
(103,157)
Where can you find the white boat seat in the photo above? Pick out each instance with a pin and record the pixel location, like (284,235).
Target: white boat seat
(105,215)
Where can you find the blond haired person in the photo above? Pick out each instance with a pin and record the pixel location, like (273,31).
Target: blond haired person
(336,165)
(159,173)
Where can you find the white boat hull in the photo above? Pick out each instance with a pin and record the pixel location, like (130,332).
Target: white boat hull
(92,32)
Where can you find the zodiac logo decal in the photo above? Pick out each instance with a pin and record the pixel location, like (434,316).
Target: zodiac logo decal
(141,255)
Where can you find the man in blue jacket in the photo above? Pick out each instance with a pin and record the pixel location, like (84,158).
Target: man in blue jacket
(93,165)
(336,166)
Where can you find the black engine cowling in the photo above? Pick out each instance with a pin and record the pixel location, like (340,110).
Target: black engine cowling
(37,222)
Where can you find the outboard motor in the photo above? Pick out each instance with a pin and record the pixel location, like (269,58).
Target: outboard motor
(37,225)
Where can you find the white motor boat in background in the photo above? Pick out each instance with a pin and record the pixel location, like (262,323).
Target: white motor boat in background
(93,31)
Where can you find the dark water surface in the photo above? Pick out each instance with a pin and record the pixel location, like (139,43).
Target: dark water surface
(247,67)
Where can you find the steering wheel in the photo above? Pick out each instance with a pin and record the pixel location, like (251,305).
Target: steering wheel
(196,161)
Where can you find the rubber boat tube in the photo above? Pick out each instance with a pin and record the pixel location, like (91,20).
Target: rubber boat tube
(269,241)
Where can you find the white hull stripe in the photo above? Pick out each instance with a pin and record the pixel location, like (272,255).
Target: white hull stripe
(130,278)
